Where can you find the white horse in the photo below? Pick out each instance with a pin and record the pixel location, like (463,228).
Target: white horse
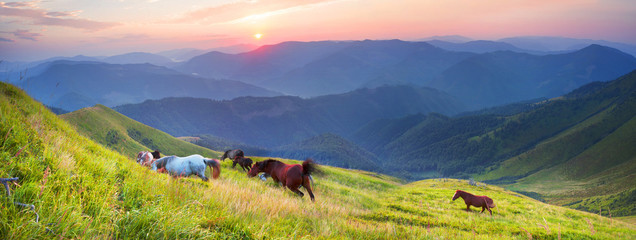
(186,166)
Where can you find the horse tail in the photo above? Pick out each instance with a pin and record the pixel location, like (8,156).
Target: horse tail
(309,166)
(214,164)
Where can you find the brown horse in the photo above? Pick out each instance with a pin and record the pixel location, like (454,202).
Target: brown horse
(290,175)
(245,163)
(477,201)
(232,154)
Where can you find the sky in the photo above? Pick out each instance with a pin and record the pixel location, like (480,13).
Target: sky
(34,30)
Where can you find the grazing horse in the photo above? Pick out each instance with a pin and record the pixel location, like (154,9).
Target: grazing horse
(145,158)
(232,154)
(245,163)
(477,201)
(186,166)
(290,175)
(156,154)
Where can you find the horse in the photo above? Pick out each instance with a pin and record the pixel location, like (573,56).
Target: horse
(232,154)
(156,154)
(186,166)
(145,158)
(477,201)
(245,163)
(290,175)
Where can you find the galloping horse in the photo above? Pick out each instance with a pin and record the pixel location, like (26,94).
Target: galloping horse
(186,166)
(477,201)
(232,154)
(291,175)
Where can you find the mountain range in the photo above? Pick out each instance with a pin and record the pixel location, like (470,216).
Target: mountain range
(480,73)
(275,121)
(499,78)
(72,85)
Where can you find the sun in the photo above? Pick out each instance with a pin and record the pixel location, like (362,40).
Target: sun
(258,35)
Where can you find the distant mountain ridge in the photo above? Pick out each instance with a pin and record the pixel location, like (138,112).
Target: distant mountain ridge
(276,121)
(480,73)
(72,85)
(478,46)
(505,77)
(551,44)
(139,58)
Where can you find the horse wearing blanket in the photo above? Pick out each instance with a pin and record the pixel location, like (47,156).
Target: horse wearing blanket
(186,166)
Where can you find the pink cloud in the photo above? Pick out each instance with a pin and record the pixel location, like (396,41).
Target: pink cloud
(26,34)
(63,14)
(238,10)
(31,4)
(30,11)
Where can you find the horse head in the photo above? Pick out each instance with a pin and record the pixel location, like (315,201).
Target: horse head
(456,195)
(225,155)
(156,154)
(257,167)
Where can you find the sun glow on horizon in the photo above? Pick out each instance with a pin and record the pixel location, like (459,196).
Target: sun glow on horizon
(258,35)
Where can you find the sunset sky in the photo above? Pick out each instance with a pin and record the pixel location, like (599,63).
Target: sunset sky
(33,30)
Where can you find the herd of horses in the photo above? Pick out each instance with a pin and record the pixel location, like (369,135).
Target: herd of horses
(292,176)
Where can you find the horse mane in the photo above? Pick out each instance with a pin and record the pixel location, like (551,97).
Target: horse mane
(225,154)
(156,154)
(265,163)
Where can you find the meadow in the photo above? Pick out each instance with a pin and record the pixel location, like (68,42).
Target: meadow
(82,189)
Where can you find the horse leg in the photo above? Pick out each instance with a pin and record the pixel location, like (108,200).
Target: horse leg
(482,209)
(233,164)
(202,176)
(489,210)
(307,185)
(295,189)
(468,207)
(301,194)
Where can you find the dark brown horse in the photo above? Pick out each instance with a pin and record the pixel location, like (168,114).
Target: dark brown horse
(290,175)
(232,154)
(477,201)
(245,163)
(156,154)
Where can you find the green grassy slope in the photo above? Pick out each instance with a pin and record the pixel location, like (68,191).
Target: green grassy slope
(127,136)
(589,165)
(83,190)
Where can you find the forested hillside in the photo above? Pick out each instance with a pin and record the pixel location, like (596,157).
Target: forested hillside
(583,139)
(126,136)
